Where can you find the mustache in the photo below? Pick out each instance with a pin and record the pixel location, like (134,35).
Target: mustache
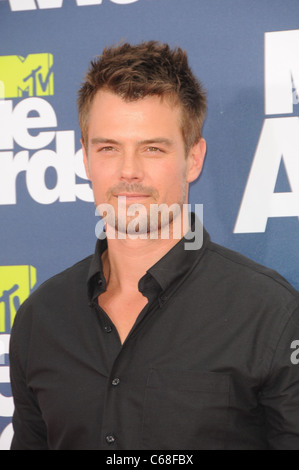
(125,187)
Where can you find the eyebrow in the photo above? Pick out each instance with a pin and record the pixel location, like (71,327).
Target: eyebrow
(157,140)
(101,140)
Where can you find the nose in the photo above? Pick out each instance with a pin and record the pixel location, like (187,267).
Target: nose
(131,167)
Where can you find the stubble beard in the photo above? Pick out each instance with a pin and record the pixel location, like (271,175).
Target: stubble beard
(154,219)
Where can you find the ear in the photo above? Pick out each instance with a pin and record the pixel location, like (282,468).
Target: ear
(85,160)
(196,158)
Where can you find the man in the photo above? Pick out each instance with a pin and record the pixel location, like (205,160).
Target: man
(149,344)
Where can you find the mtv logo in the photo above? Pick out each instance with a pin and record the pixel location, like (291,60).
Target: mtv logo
(26,76)
(16,284)
(2,90)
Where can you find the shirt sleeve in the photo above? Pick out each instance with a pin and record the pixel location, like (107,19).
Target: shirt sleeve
(30,431)
(280,395)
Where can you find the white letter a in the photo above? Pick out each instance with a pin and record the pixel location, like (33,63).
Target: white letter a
(279,139)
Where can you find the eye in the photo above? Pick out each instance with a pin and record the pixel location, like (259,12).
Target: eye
(106,149)
(153,149)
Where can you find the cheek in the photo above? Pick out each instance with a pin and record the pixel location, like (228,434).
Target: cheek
(171,183)
(176,173)
(99,184)
(172,169)
(101,173)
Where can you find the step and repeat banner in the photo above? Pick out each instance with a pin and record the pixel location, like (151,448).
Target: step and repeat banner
(247,55)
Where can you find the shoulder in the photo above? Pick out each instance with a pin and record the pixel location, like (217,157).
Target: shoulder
(56,293)
(74,276)
(49,310)
(250,278)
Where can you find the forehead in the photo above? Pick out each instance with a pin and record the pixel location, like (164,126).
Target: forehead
(108,106)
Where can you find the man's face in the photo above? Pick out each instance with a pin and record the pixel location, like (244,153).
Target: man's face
(136,149)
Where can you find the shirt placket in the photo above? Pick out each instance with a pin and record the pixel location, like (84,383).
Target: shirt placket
(111,437)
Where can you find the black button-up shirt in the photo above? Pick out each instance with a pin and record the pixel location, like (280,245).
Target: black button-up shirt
(211,362)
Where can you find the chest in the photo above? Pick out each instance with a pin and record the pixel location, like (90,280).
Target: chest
(123,310)
(183,379)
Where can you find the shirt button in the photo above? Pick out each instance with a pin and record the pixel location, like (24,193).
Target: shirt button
(108,329)
(115,381)
(110,439)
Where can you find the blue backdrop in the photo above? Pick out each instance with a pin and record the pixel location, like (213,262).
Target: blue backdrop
(247,56)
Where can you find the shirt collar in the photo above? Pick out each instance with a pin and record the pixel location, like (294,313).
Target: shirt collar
(96,282)
(175,264)
(164,274)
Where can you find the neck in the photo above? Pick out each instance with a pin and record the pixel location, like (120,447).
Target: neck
(127,260)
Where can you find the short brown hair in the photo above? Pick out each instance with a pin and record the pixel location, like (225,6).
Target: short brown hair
(150,68)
